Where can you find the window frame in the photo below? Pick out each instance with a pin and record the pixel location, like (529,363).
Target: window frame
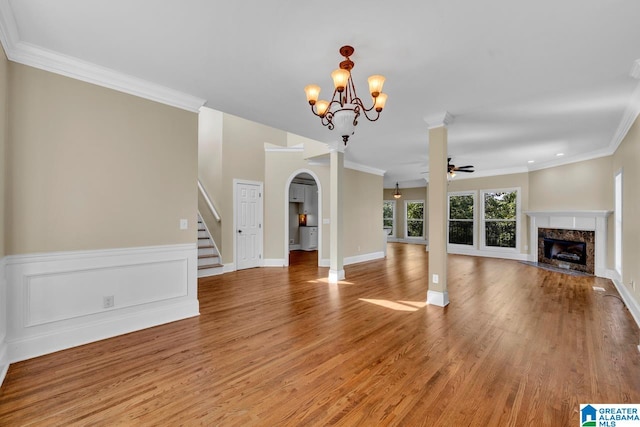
(393,219)
(406,219)
(483,221)
(474,220)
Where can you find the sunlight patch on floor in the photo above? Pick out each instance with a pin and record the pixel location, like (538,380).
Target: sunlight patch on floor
(398,306)
(326,280)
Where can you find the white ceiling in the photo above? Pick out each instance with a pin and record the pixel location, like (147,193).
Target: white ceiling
(523,80)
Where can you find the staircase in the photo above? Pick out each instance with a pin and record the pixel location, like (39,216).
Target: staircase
(209,262)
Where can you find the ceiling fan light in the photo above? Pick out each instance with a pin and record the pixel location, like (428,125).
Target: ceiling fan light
(313,92)
(340,78)
(375,84)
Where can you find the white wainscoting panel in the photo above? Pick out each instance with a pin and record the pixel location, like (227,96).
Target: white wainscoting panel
(56,301)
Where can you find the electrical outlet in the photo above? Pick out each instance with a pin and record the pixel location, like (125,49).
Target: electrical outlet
(107,301)
(436,278)
(184,224)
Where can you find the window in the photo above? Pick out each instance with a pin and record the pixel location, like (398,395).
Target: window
(415,219)
(500,209)
(389,217)
(461,218)
(617,215)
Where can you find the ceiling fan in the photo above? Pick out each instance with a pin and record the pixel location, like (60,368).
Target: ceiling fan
(452,169)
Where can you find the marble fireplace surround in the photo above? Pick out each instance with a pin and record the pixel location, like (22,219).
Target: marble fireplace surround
(572,220)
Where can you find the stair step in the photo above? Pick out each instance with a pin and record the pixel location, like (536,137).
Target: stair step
(202,267)
(214,255)
(203,238)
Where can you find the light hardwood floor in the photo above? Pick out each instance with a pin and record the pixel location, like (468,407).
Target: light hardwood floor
(517,346)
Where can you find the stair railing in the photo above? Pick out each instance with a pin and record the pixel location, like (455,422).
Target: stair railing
(207,199)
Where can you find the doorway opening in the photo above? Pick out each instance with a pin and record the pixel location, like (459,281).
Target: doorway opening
(303,219)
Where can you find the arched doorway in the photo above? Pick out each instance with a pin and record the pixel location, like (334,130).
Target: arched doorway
(303,219)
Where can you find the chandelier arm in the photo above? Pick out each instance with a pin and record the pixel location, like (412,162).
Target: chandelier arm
(314,111)
(369,118)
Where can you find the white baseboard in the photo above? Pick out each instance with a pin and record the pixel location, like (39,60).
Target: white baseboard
(325,262)
(441,299)
(230,267)
(631,303)
(336,275)
(488,254)
(363,258)
(4,355)
(56,300)
(274,262)
(412,241)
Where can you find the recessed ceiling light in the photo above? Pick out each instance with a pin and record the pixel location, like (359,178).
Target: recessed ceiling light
(560,154)
(531,161)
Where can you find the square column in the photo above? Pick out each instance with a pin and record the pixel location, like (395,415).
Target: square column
(336,173)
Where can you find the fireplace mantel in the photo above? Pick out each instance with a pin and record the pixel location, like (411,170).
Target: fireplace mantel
(591,220)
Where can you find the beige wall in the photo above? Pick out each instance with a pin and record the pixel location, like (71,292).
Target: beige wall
(415,193)
(210,168)
(362,213)
(627,159)
(4,102)
(92,168)
(280,167)
(243,158)
(577,186)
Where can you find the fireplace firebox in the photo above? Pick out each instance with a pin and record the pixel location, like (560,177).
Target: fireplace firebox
(565,251)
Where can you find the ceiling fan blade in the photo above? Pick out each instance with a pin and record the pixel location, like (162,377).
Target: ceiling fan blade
(465,170)
(465,167)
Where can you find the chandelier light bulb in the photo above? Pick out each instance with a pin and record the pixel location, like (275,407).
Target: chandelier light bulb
(340,79)
(313,92)
(375,85)
(322,106)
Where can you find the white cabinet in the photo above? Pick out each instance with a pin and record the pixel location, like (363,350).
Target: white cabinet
(310,203)
(308,238)
(296,193)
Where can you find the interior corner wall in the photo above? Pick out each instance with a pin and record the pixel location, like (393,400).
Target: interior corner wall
(97,182)
(627,159)
(243,158)
(279,166)
(362,215)
(415,193)
(92,168)
(210,168)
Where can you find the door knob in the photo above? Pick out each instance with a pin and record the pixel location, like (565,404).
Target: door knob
(239,231)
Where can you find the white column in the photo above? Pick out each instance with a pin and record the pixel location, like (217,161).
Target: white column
(438,294)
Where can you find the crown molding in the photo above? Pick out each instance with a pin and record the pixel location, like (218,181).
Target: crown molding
(440,119)
(272,148)
(363,168)
(47,60)
(635,69)
(628,118)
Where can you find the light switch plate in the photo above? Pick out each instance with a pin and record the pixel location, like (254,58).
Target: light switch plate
(184,224)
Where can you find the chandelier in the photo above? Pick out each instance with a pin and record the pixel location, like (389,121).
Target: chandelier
(397,194)
(345,107)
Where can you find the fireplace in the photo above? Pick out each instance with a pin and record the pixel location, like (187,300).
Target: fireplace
(584,227)
(569,249)
(563,250)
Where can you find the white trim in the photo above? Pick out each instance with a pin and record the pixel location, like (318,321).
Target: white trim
(482,244)
(207,199)
(272,148)
(631,303)
(393,217)
(474,220)
(274,262)
(635,69)
(4,354)
(363,168)
(440,299)
(440,119)
(260,184)
(591,220)
(461,250)
(411,241)
(54,62)
(229,267)
(287,248)
(363,258)
(324,262)
(167,292)
(336,276)
(628,118)
(406,237)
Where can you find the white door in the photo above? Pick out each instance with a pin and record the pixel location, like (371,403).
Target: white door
(248,225)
